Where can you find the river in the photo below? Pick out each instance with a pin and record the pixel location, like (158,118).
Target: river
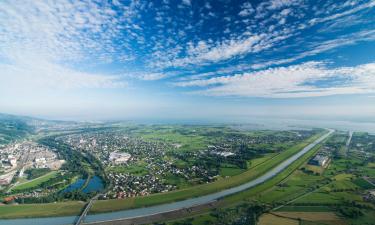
(170,206)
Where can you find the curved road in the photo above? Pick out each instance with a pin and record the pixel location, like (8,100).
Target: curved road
(139,212)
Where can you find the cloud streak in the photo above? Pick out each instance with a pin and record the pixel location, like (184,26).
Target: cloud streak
(304,80)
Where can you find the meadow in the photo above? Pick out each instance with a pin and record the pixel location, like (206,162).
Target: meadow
(35,182)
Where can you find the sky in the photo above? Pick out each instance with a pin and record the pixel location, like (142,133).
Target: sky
(188,59)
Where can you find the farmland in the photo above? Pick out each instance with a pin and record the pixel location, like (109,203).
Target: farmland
(335,195)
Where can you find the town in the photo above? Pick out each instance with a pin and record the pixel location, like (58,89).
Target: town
(138,166)
(17,158)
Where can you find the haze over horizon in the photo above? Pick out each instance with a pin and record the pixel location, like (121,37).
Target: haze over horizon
(186,59)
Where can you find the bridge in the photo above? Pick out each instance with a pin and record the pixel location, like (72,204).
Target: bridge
(86,210)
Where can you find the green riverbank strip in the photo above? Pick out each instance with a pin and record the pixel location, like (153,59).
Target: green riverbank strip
(41,210)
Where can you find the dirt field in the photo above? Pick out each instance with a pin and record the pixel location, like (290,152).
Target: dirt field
(323,217)
(269,219)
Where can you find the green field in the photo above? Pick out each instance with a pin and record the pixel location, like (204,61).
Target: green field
(41,210)
(363,183)
(136,169)
(35,182)
(230,170)
(255,193)
(199,190)
(305,209)
(340,186)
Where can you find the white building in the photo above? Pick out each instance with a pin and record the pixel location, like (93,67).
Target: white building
(12,160)
(40,162)
(119,157)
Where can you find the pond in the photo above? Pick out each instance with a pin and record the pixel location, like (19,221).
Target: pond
(95,184)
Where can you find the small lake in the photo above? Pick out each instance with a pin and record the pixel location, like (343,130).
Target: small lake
(95,184)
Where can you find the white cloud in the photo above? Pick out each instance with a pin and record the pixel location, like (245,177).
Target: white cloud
(304,80)
(61,30)
(277,4)
(368,35)
(367,5)
(152,76)
(186,2)
(44,75)
(203,52)
(39,39)
(246,9)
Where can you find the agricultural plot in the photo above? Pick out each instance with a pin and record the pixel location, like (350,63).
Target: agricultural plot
(270,219)
(318,217)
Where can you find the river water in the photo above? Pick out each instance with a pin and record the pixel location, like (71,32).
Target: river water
(165,207)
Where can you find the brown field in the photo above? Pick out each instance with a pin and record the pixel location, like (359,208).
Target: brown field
(269,219)
(323,217)
(315,169)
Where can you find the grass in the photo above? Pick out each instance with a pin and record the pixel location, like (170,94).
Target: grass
(41,210)
(229,171)
(255,193)
(367,219)
(176,180)
(310,216)
(254,162)
(199,190)
(294,186)
(137,169)
(190,141)
(292,208)
(35,182)
(315,169)
(363,183)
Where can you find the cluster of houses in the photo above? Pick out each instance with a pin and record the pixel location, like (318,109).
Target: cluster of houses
(127,185)
(17,157)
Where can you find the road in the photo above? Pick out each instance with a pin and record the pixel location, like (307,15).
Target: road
(348,143)
(154,210)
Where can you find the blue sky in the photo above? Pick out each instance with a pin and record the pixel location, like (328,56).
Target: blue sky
(188,59)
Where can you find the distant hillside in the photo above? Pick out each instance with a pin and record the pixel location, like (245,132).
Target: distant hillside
(13,128)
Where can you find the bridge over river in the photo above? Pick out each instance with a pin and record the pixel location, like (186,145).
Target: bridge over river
(152,210)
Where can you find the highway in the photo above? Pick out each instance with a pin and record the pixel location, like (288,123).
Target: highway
(152,210)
